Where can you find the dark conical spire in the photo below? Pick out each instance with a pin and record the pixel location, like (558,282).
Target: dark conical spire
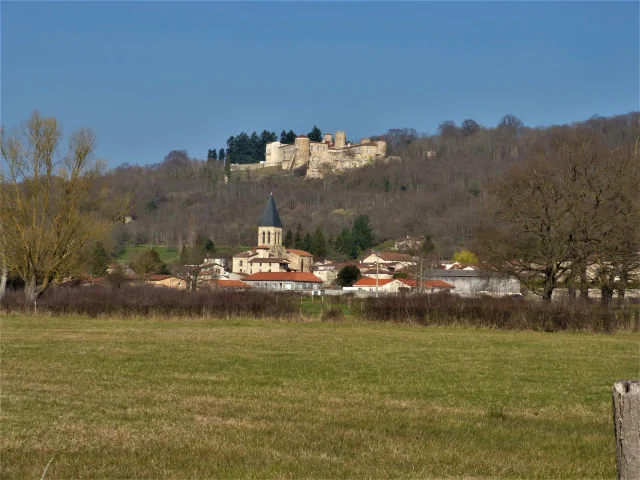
(270,217)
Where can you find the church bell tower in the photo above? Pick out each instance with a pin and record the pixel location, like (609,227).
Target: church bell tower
(270,229)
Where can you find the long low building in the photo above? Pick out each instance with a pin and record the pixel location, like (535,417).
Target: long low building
(396,285)
(476,282)
(298,281)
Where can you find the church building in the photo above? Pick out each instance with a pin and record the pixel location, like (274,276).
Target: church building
(270,255)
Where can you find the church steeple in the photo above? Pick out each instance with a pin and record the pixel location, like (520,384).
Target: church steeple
(270,217)
(270,226)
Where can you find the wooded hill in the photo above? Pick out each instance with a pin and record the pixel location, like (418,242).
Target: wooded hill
(441,195)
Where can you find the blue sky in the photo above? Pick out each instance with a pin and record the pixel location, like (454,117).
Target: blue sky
(150,77)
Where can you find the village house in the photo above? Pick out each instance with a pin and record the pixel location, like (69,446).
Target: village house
(396,285)
(391,260)
(169,281)
(270,255)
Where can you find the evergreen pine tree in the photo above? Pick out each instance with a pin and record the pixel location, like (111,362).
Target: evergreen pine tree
(288,239)
(291,137)
(307,242)
(315,135)
(254,149)
(319,246)
(345,244)
(297,241)
(283,137)
(212,154)
(362,233)
(221,154)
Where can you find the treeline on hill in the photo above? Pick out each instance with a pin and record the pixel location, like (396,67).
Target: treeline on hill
(442,195)
(244,148)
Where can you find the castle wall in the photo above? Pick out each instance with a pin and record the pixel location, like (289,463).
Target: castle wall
(303,147)
(341,139)
(287,156)
(338,160)
(248,166)
(272,154)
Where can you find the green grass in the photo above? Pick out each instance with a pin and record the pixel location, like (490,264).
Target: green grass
(167,255)
(316,305)
(202,399)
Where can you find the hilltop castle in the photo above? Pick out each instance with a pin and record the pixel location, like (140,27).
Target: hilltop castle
(330,155)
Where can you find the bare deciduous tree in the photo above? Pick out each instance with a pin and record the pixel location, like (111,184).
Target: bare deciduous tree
(50,205)
(568,204)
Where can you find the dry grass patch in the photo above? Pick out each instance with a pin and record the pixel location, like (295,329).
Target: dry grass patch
(229,399)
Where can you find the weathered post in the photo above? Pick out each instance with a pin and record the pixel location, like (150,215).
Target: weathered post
(626,424)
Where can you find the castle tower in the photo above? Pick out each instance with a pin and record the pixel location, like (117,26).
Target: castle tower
(327,138)
(341,139)
(303,151)
(270,230)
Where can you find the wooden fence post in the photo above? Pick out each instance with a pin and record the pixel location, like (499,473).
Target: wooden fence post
(626,424)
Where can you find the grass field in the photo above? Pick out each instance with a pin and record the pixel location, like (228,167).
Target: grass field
(201,399)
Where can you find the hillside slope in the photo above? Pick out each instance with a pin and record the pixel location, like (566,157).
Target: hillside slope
(441,195)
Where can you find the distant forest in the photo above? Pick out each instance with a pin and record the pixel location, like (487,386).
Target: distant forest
(441,195)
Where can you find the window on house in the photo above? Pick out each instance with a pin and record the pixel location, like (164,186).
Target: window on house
(263,238)
(269,237)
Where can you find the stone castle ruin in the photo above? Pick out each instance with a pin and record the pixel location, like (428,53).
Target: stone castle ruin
(330,155)
(319,158)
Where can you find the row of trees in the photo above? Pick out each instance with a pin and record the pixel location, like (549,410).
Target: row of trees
(245,148)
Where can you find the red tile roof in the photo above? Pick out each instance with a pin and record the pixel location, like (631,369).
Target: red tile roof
(371,282)
(283,276)
(244,255)
(158,278)
(262,247)
(231,283)
(301,253)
